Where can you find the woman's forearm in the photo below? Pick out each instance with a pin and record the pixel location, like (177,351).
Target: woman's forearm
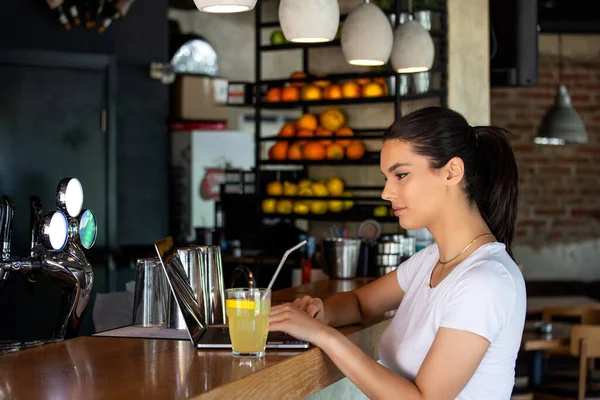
(342,309)
(372,378)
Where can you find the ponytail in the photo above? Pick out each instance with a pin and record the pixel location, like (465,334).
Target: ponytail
(497,189)
(491,175)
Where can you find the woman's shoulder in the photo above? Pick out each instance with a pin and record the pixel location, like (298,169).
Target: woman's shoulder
(491,268)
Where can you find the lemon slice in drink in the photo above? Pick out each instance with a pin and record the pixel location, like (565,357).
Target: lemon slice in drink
(239,303)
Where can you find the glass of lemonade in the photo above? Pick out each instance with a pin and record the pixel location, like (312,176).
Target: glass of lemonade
(248,316)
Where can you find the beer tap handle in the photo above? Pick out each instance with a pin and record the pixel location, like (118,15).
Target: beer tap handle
(36,210)
(9,213)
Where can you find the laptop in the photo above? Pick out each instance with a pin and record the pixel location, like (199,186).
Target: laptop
(202,335)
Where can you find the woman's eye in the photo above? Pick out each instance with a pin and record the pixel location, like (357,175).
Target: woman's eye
(401,176)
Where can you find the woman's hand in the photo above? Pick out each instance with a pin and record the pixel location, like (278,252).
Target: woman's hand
(290,319)
(313,306)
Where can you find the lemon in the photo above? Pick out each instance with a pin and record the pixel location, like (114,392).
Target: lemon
(319,189)
(380,211)
(274,188)
(348,204)
(289,189)
(301,207)
(335,186)
(240,304)
(305,183)
(268,206)
(284,206)
(306,192)
(335,205)
(318,207)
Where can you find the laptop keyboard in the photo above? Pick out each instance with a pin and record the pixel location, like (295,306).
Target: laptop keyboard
(216,335)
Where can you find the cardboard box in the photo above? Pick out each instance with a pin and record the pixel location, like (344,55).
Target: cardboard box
(200,98)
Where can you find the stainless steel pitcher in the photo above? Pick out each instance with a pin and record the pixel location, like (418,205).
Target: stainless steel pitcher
(204,269)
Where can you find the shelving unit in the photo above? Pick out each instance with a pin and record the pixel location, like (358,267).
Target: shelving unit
(363,204)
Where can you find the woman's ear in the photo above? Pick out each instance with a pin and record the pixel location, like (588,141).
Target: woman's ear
(454,171)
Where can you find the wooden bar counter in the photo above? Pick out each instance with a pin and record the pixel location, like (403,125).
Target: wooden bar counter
(115,368)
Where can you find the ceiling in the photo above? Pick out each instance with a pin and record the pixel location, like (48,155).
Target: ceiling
(565,16)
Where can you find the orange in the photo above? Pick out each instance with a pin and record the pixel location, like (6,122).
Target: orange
(311,93)
(278,151)
(295,152)
(383,84)
(297,75)
(321,83)
(304,133)
(324,133)
(362,81)
(333,92)
(287,130)
(273,95)
(290,93)
(373,90)
(332,119)
(355,150)
(314,151)
(335,152)
(351,90)
(345,131)
(307,121)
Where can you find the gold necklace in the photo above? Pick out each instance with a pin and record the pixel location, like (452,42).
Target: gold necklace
(465,249)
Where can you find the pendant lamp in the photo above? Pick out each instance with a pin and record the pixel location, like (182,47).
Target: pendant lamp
(367,36)
(413,49)
(309,21)
(561,124)
(225,6)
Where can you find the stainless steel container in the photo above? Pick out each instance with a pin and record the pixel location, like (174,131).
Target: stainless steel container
(341,257)
(214,289)
(386,270)
(388,260)
(389,248)
(152,295)
(204,269)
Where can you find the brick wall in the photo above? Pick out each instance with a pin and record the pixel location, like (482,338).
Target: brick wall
(559,185)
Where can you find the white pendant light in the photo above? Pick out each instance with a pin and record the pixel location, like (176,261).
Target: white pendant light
(367,36)
(413,49)
(225,6)
(561,123)
(309,21)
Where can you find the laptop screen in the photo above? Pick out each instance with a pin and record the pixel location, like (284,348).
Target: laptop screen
(180,287)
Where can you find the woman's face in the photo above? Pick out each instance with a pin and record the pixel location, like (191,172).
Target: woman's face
(415,191)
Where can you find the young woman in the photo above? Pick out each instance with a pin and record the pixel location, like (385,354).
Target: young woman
(461,301)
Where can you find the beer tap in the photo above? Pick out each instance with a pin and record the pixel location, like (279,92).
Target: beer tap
(58,240)
(36,210)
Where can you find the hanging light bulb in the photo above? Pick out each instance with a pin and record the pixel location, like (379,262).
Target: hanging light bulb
(367,36)
(561,124)
(225,6)
(309,21)
(413,49)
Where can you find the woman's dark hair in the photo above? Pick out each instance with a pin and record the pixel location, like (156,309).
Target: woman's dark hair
(491,174)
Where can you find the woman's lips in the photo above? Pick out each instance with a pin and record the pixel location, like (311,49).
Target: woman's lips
(399,210)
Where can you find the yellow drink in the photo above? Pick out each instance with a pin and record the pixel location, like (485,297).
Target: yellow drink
(248,317)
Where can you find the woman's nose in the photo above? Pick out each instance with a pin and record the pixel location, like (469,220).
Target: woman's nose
(387,194)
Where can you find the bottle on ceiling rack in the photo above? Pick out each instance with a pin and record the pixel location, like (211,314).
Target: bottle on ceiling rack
(73,10)
(57,7)
(112,11)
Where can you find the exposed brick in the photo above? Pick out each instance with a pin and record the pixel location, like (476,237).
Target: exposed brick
(563,191)
(531,222)
(580,98)
(581,170)
(521,148)
(555,170)
(537,95)
(591,192)
(582,212)
(576,76)
(550,212)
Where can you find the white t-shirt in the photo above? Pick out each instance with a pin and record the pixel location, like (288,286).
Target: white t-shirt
(485,294)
